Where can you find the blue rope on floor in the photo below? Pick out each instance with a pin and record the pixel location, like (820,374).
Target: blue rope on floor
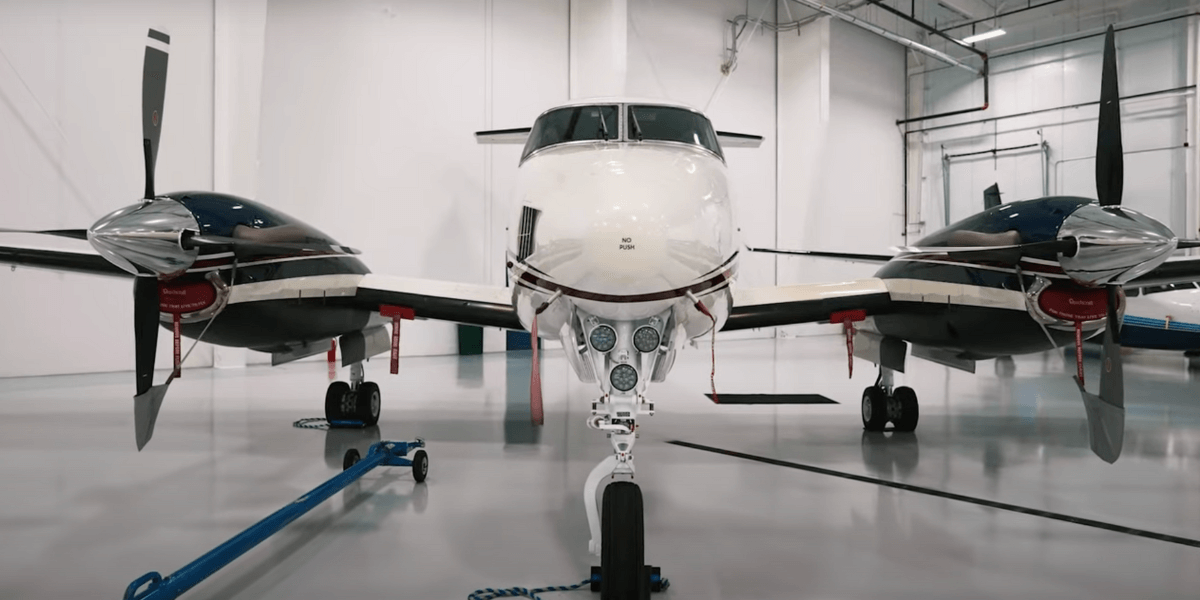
(520,592)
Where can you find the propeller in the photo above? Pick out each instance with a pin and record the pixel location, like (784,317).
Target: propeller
(1106,410)
(149,398)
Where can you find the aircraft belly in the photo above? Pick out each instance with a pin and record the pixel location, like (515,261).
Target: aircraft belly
(974,331)
(273,325)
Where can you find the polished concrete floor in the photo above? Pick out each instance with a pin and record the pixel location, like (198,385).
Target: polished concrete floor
(82,513)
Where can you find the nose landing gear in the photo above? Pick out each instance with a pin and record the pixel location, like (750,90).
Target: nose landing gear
(618,533)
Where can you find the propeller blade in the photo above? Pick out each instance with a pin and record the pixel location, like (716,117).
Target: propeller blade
(75,234)
(1110,161)
(1106,411)
(145,329)
(154,91)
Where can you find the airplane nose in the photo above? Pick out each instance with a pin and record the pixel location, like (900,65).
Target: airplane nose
(1115,244)
(146,238)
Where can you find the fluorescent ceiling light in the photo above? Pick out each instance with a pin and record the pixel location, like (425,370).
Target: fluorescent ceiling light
(987,35)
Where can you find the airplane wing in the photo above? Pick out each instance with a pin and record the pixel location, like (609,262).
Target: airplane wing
(78,262)
(471,304)
(1175,270)
(804,303)
(849,256)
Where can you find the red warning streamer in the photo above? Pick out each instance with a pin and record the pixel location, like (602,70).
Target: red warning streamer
(1079,349)
(397,313)
(178,359)
(712,374)
(848,318)
(331,358)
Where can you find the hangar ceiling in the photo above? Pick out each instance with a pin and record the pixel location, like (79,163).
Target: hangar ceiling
(1025,21)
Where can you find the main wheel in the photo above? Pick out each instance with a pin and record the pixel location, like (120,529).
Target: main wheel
(335,398)
(368,403)
(420,465)
(909,412)
(874,409)
(622,544)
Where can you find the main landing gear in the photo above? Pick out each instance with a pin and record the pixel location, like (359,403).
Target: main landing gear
(882,403)
(357,401)
(618,534)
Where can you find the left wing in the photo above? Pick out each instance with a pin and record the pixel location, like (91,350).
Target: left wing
(804,303)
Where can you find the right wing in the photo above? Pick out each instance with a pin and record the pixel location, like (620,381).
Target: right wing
(804,303)
(471,304)
(1176,270)
(78,262)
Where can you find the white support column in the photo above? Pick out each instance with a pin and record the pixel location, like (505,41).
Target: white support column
(1192,172)
(239,29)
(599,48)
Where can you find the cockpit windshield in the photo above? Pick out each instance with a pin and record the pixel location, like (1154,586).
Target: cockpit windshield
(573,124)
(671,124)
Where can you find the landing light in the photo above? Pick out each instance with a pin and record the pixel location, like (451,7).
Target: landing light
(646,339)
(603,338)
(623,377)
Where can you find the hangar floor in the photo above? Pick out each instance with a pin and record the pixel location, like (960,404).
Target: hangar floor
(82,513)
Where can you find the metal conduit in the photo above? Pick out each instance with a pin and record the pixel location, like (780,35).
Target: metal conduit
(903,41)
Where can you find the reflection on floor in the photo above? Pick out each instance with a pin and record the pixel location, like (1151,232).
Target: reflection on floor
(82,513)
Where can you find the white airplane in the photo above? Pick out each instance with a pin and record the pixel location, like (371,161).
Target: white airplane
(1162,317)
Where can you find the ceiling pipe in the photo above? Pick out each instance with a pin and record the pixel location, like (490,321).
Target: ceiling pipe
(983,71)
(903,41)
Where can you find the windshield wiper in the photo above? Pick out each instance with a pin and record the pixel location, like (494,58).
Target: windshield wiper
(637,129)
(603,125)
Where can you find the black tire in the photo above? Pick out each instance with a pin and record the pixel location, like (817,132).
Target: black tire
(420,465)
(352,456)
(368,403)
(623,544)
(909,411)
(335,395)
(874,409)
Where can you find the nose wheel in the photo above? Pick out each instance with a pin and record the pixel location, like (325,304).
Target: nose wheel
(881,404)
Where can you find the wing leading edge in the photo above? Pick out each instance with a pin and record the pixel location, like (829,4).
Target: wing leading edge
(804,303)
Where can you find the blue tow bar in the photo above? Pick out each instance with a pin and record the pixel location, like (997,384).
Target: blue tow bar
(390,454)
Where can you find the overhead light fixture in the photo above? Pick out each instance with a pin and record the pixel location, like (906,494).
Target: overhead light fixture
(987,35)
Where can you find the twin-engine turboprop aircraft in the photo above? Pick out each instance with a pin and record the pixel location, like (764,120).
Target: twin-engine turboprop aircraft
(1019,278)
(622,246)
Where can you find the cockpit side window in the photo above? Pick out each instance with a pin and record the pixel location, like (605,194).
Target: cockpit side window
(573,124)
(671,124)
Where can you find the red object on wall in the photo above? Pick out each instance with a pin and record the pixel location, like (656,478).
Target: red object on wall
(397,313)
(1071,303)
(180,298)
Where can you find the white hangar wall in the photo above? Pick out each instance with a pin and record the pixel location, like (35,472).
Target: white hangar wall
(1158,131)
(70,152)
(840,176)
(357,117)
